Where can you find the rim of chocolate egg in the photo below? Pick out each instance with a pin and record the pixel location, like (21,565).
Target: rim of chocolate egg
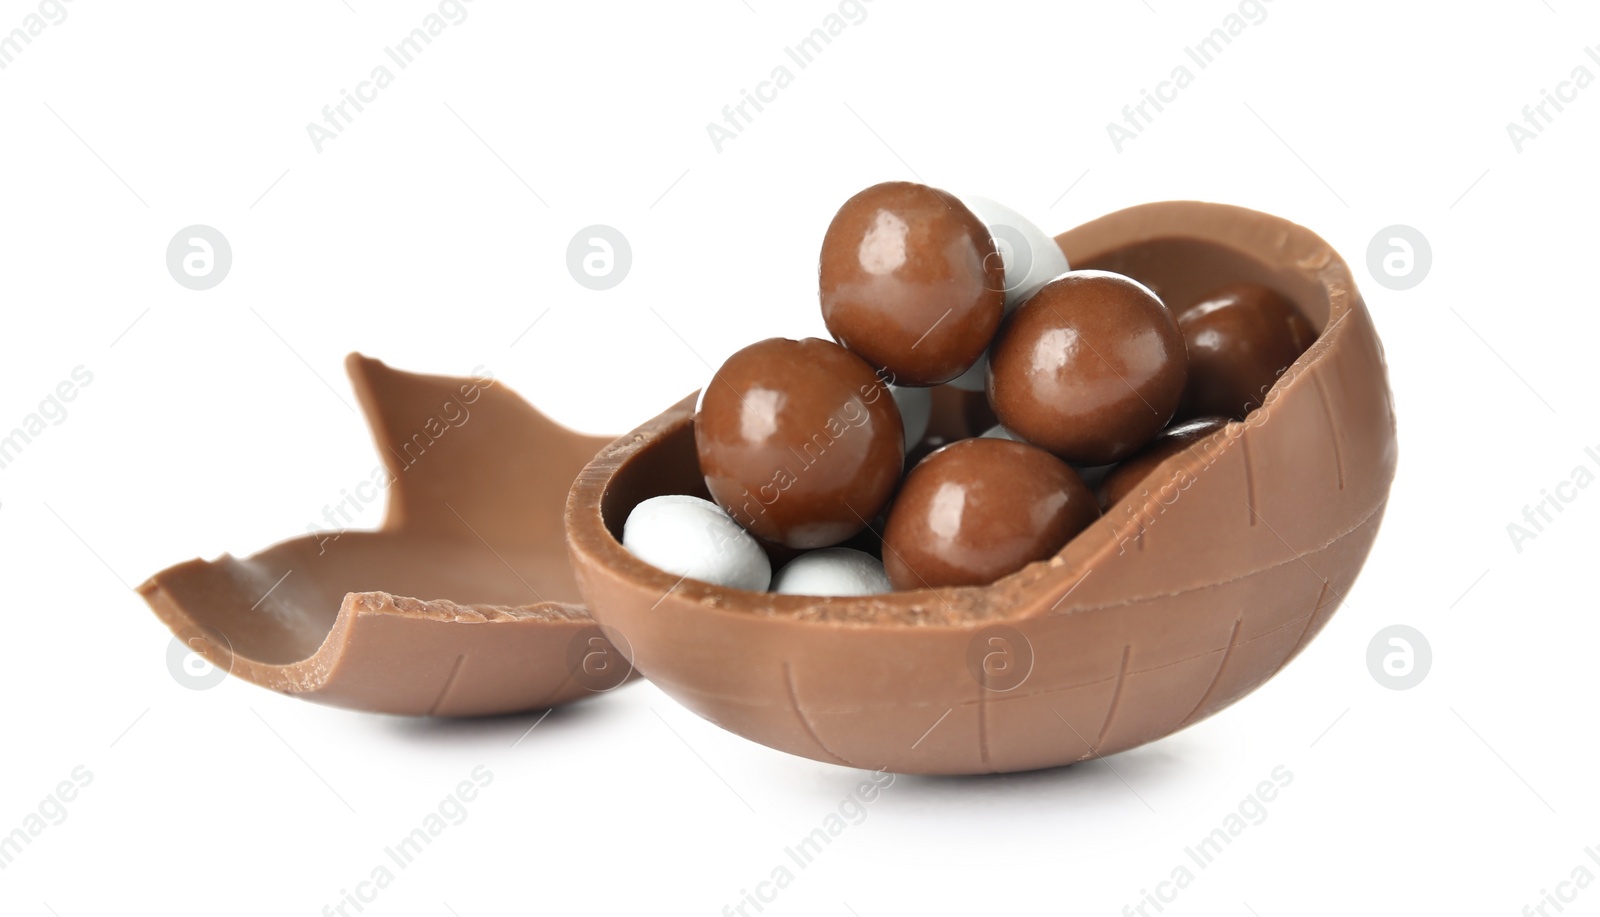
(1272,246)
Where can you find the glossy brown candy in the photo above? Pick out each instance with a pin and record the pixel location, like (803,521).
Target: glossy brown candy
(799,441)
(1127,477)
(979,509)
(910,280)
(1240,340)
(1091,367)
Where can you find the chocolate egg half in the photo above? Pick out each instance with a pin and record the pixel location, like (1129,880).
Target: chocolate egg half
(461,604)
(1151,619)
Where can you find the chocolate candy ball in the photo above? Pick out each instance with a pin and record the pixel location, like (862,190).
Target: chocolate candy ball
(799,441)
(979,509)
(1240,339)
(911,281)
(1090,368)
(1127,477)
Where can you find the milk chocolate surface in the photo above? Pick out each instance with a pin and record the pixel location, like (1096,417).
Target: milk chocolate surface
(1240,339)
(462,603)
(1151,619)
(911,280)
(1091,368)
(978,509)
(799,441)
(1132,474)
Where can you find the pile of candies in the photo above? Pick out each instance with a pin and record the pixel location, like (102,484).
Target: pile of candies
(1093,379)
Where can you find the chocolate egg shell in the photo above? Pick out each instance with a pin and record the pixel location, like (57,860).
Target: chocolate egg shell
(910,280)
(461,604)
(1129,475)
(1240,339)
(1153,618)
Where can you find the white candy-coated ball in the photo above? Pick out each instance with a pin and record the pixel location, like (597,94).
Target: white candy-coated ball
(832,571)
(916,406)
(999,432)
(688,536)
(1031,257)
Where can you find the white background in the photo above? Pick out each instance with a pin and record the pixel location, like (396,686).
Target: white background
(433,232)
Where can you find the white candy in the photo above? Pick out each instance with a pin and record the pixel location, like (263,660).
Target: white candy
(1031,260)
(916,406)
(688,536)
(832,571)
(999,432)
(1031,257)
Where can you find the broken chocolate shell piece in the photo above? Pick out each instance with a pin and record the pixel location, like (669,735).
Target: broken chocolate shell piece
(476,484)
